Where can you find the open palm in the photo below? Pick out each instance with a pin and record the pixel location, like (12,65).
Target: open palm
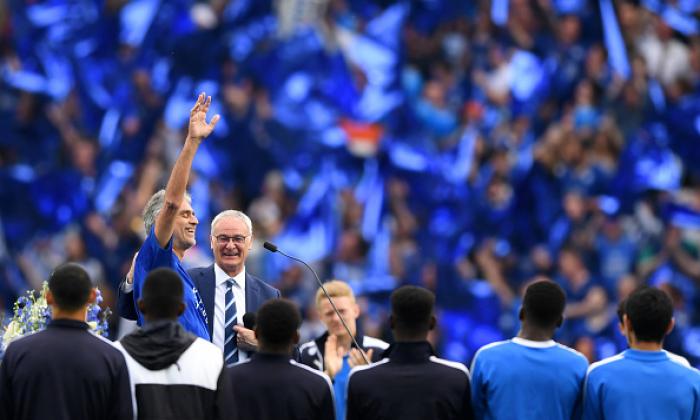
(199,128)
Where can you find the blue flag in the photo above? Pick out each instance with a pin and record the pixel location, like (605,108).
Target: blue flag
(499,12)
(614,43)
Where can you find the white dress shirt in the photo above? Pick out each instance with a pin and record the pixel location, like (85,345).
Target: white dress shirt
(220,306)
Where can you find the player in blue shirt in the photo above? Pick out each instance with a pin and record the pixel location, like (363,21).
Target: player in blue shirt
(644,382)
(530,376)
(171,224)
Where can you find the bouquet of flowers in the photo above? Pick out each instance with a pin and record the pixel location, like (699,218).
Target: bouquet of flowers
(31,313)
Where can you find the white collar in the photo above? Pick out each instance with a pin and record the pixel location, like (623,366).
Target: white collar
(221,277)
(534,344)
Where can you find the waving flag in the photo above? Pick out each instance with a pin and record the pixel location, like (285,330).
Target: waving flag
(614,43)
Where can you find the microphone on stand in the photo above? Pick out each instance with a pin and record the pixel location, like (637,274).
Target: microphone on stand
(273,248)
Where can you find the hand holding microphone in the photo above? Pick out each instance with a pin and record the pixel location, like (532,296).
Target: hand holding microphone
(245,336)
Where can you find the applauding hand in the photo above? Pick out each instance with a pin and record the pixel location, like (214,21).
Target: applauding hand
(333,356)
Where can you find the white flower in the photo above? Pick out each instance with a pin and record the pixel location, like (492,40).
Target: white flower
(13,330)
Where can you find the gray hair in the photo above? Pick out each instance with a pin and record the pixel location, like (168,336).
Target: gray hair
(154,206)
(233,214)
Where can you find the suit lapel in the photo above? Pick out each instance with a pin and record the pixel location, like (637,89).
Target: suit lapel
(252,295)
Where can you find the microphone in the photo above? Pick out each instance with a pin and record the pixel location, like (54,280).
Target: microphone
(273,248)
(249,320)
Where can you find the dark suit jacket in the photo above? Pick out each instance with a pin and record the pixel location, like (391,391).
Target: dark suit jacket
(257,292)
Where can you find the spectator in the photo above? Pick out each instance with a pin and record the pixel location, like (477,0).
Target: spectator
(586,300)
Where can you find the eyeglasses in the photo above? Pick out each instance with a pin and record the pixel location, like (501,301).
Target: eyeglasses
(225,239)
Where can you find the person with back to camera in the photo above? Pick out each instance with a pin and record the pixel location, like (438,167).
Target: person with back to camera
(65,372)
(410,382)
(272,386)
(643,382)
(530,376)
(174,373)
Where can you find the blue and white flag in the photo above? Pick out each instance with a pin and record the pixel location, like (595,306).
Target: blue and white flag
(614,43)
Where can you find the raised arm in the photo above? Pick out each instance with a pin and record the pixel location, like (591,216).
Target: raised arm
(198,130)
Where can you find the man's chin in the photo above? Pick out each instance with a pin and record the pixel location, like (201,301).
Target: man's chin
(188,243)
(229,267)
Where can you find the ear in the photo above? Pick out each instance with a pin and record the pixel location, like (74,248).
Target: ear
(521,314)
(49,298)
(212,242)
(670,326)
(560,321)
(255,332)
(295,338)
(180,308)
(433,322)
(252,239)
(356,310)
(142,306)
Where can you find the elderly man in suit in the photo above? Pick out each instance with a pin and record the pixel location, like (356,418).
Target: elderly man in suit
(227,290)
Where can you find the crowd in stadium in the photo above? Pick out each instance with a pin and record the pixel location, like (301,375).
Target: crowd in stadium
(443,144)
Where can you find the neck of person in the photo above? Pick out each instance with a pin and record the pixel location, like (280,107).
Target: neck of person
(266,349)
(533,333)
(150,319)
(180,253)
(78,315)
(408,337)
(644,345)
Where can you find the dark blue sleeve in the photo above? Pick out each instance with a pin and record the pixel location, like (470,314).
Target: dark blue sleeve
(467,411)
(352,411)
(125,304)
(122,405)
(327,405)
(6,411)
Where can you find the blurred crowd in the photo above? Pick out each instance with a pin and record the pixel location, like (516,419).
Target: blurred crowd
(468,147)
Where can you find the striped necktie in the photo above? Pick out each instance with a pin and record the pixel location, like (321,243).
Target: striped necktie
(230,348)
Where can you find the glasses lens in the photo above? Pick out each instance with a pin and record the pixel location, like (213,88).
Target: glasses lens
(224,240)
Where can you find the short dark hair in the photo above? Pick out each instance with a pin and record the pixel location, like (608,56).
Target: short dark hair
(277,322)
(621,310)
(543,304)
(70,286)
(162,294)
(650,312)
(412,309)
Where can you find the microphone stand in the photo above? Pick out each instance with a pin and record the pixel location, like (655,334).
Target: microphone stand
(273,248)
